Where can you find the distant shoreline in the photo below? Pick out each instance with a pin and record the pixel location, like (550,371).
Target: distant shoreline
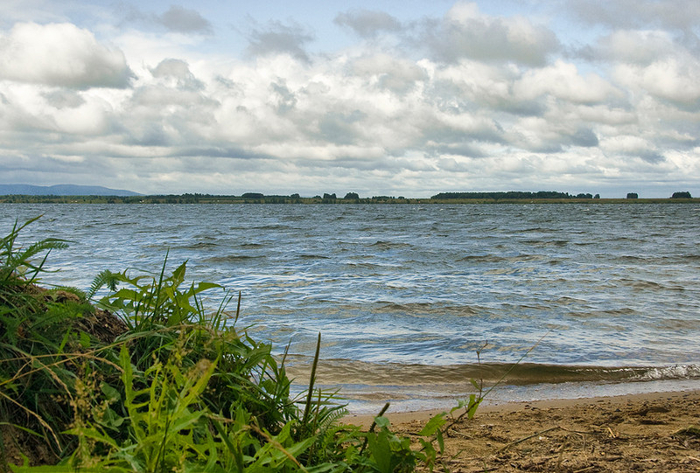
(292,200)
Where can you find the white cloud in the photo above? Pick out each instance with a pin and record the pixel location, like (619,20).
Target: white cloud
(60,55)
(563,81)
(395,74)
(666,79)
(634,46)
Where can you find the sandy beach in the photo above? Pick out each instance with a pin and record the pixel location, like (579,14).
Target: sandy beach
(645,432)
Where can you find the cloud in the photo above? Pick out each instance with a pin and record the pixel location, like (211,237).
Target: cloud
(394,74)
(563,81)
(651,62)
(457,101)
(183,20)
(178,73)
(368,23)
(278,38)
(465,32)
(61,55)
(635,46)
(667,79)
(622,14)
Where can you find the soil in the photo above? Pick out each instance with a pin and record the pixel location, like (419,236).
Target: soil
(657,432)
(16,443)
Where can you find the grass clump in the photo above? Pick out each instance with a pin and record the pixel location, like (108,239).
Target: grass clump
(146,379)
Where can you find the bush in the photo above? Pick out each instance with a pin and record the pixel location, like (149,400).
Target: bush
(681,195)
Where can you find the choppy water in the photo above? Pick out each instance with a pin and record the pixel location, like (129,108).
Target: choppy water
(405,296)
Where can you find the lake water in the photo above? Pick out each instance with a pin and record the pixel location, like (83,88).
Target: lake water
(590,299)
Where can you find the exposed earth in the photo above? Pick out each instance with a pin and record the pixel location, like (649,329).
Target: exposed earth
(657,432)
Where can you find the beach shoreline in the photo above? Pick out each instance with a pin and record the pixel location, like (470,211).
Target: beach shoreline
(634,432)
(423,415)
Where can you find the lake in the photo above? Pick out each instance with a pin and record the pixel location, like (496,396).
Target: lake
(413,301)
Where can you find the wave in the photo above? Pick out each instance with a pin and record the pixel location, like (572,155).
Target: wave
(339,372)
(386,245)
(232,258)
(427,308)
(312,256)
(199,246)
(501,259)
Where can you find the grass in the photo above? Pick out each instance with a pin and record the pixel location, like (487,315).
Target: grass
(147,379)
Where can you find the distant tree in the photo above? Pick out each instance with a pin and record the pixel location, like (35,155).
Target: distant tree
(352,196)
(253,196)
(681,195)
(632,195)
(597,196)
(584,196)
(329,198)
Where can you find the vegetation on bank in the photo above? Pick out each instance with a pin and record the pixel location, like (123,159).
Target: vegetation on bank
(512,197)
(145,378)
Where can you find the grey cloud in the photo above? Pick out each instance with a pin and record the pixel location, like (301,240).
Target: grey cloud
(341,128)
(162,115)
(488,40)
(286,100)
(172,68)
(178,71)
(183,20)
(367,23)
(651,156)
(585,137)
(468,150)
(279,38)
(64,99)
(208,151)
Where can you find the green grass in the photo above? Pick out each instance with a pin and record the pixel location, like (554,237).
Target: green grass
(146,378)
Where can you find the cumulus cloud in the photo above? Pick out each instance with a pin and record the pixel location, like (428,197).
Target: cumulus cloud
(563,81)
(61,55)
(635,46)
(368,23)
(651,62)
(465,32)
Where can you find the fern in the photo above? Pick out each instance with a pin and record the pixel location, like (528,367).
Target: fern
(105,278)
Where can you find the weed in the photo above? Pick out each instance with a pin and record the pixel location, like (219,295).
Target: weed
(171,387)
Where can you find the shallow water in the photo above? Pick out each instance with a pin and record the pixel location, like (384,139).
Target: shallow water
(405,296)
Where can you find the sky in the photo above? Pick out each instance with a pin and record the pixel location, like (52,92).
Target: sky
(403,98)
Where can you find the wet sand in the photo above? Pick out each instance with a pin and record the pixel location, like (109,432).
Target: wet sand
(641,432)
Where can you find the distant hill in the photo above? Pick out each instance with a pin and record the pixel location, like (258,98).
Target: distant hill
(62,189)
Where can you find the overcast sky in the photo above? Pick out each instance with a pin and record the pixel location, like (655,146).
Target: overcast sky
(376,97)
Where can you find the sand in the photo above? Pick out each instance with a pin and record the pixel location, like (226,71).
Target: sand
(645,432)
